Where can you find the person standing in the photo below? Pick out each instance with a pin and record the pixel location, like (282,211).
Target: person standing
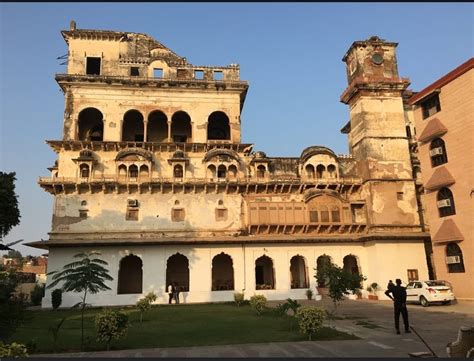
(171,292)
(176,293)
(398,294)
(390,285)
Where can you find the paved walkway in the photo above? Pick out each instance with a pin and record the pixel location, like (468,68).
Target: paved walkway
(372,321)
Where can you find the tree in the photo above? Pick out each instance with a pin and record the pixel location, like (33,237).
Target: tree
(84,276)
(9,212)
(111,325)
(145,303)
(340,281)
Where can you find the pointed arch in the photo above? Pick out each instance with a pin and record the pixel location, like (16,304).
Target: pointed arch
(299,272)
(222,273)
(130,275)
(177,270)
(264,273)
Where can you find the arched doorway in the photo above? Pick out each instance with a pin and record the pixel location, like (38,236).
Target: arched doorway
(130,276)
(91,125)
(133,126)
(218,127)
(321,263)
(177,270)
(222,273)
(299,274)
(264,274)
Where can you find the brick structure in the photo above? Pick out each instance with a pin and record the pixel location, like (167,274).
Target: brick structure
(444,122)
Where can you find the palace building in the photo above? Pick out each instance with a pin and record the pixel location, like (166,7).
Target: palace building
(151,172)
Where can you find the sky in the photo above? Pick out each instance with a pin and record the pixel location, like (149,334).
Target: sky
(289,52)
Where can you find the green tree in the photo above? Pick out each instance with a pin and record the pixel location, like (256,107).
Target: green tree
(145,304)
(84,276)
(340,282)
(9,212)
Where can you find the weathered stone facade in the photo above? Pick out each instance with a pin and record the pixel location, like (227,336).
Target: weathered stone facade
(151,172)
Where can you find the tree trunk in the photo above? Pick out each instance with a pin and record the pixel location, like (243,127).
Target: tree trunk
(82,319)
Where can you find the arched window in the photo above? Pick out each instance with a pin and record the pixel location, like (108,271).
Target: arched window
(143,171)
(321,263)
(181,131)
(324,212)
(221,171)
(320,169)
(264,274)
(91,125)
(218,127)
(350,264)
(122,171)
(438,152)
(454,258)
(133,171)
(309,171)
(84,170)
(177,270)
(335,214)
(132,127)
(331,171)
(178,171)
(130,276)
(211,172)
(445,202)
(232,171)
(299,276)
(261,171)
(222,273)
(157,127)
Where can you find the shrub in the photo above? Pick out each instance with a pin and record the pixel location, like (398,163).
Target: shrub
(258,303)
(111,325)
(145,303)
(57,298)
(13,350)
(37,294)
(309,294)
(281,309)
(310,320)
(238,298)
(293,305)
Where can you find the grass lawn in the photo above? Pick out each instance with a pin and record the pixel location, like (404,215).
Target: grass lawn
(170,326)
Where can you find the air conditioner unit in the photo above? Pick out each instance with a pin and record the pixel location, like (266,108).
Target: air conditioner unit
(436,151)
(453,259)
(132,203)
(444,203)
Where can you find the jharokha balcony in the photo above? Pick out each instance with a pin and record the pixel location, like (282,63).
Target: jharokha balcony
(245,185)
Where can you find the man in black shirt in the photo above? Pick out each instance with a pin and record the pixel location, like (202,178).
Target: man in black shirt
(399,298)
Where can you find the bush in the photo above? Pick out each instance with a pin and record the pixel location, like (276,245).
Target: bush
(310,320)
(37,294)
(145,303)
(111,325)
(238,298)
(57,298)
(309,294)
(293,305)
(13,350)
(258,303)
(281,309)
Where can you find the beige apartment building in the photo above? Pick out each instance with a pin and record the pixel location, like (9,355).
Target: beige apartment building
(152,172)
(444,116)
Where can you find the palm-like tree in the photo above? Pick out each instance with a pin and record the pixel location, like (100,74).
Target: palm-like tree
(86,275)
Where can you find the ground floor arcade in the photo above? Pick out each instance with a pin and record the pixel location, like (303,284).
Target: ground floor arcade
(213,273)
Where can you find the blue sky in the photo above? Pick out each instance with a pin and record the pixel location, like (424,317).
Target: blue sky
(290,53)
